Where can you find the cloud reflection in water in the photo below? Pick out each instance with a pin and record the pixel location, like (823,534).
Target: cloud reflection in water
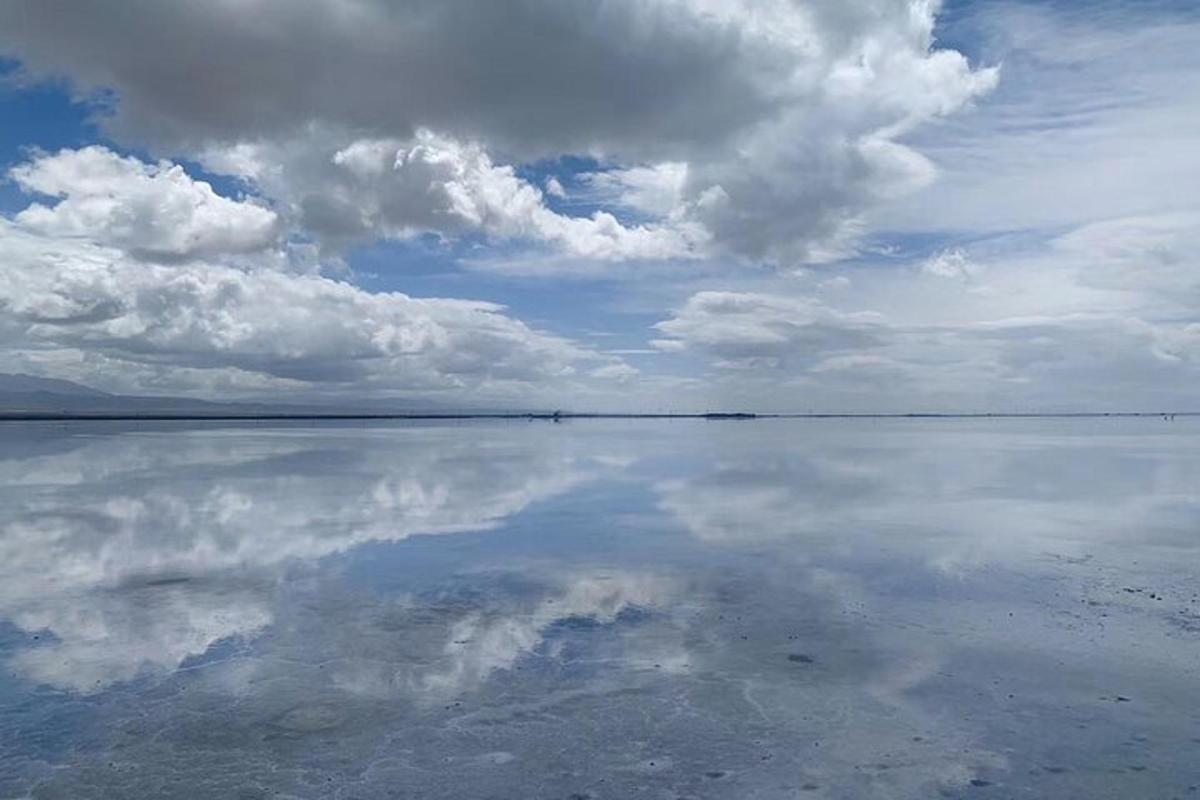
(864,609)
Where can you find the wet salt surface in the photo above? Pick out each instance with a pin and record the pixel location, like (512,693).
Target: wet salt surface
(767,609)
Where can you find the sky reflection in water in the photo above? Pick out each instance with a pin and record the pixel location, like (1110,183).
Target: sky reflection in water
(601,610)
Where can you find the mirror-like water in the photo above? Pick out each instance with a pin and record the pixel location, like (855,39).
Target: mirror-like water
(767,609)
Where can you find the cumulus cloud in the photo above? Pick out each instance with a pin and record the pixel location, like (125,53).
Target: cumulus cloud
(148,210)
(142,266)
(752,330)
(1105,305)
(430,183)
(757,130)
(554,187)
(624,141)
(655,189)
(301,327)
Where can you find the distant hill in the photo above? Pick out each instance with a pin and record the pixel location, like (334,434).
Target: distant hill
(11,385)
(31,394)
(22,395)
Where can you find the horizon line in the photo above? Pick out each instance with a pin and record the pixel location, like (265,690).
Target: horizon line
(50,416)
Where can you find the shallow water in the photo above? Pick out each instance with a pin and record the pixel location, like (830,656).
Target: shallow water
(601,609)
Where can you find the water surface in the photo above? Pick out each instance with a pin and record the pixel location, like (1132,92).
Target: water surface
(601,609)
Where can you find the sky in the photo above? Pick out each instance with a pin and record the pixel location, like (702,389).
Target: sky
(613,205)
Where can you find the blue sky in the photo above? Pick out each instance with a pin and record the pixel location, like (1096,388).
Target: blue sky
(874,205)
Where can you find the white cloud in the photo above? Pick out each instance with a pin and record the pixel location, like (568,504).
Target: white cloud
(952,263)
(1034,326)
(657,189)
(757,130)
(755,330)
(430,183)
(494,200)
(301,327)
(721,134)
(127,269)
(554,187)
(1153,258)
(148,210)
(619,371)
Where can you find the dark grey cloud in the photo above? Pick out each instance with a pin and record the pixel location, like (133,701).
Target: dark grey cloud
(535,77)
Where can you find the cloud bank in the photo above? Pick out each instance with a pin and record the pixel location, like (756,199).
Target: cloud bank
(139,266)
(826,204)
(787,116)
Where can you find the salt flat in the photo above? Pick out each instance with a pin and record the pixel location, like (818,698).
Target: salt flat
(601,609)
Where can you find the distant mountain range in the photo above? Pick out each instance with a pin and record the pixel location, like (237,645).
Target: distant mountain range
(32,396)
(29,394)
(31,385)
